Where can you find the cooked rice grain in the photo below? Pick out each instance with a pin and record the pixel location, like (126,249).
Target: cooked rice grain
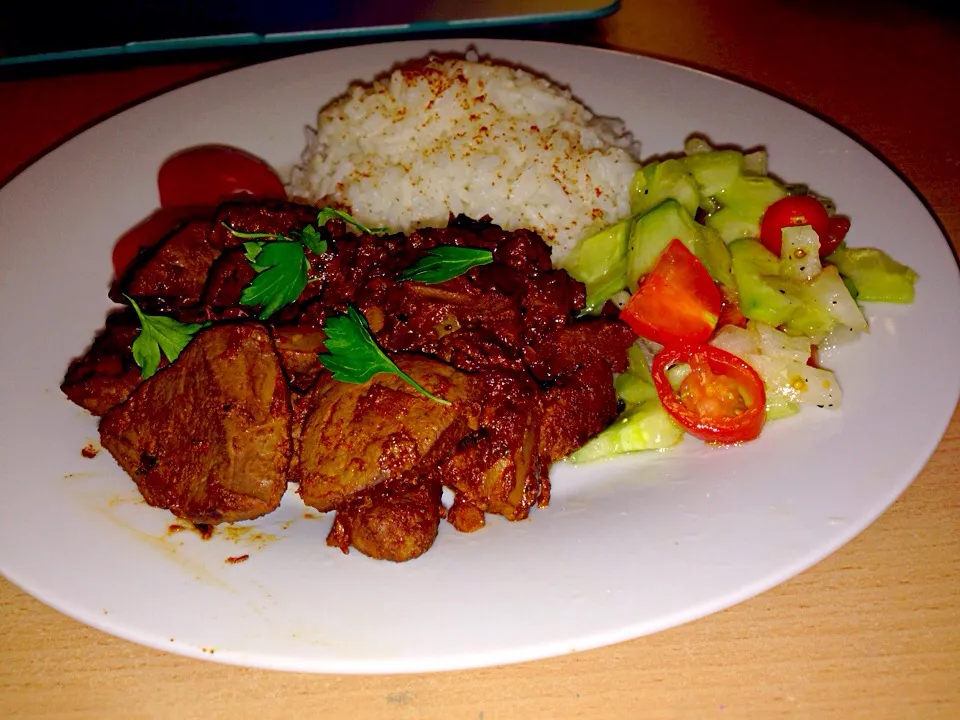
(451,136)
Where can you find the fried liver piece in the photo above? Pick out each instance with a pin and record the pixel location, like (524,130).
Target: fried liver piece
(354,437)
(298,347)
(267,216)
(578,407)
(105,375)
(395,522)
(208,437)
(497,469)
(171,275)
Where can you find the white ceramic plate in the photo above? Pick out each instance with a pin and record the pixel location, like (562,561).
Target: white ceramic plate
(626,548)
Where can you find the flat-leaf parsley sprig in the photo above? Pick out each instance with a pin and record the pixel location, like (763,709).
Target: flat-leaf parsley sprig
(353,355)
(159,333)
(281,263)
(446,262)
(329,213)
(281,275)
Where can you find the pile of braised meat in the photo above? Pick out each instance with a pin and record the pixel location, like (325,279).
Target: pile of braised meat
(247,408)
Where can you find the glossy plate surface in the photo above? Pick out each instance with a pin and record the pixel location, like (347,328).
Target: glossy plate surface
(626,548)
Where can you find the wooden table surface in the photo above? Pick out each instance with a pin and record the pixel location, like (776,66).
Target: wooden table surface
(871,632)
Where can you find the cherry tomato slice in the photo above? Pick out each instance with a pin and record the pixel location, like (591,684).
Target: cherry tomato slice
(837,229)
(677,302)
(790,212)
(210,174)
(730,309)
(722,400)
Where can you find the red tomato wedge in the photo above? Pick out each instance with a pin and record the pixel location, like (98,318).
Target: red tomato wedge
(722,399)
(678,302)
(798,210)
(210,174)
(730,309)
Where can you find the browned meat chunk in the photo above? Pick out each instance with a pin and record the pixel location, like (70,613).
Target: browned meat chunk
(173,274)
(575,409)
(270,216)
(395,523)
(106,374)
(497,468)
(208,437)
(354,437)
(229,275)
(581,343)
(215,435)
(298,347)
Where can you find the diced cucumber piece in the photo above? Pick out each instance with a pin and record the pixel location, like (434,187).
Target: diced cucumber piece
(695,145)
(644,427)
(638,362)
(730,224)
(633,389)
(854,293)
(752,194)
(654,230)
(597,256)
(764,295)
(676,374)
(659,181)
(779,345)
(876,276)
(811,320)
(737,340)
(827,291)
(715,171)
(755,163)
(743,203)
(779,405)
(800,253)
(600,263)
(789,381)
(715,256)
(599,291)
(635,386)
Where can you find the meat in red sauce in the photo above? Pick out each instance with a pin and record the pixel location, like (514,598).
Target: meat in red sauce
(528,381)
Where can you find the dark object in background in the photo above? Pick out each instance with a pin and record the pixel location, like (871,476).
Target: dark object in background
(31,32)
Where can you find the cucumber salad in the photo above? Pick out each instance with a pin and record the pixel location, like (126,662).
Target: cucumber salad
(732,280)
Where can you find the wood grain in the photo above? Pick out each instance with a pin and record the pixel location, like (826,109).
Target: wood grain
(871,632)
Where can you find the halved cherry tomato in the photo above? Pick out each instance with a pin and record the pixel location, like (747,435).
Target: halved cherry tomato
(722,399)
(209,174)
(798,210)
(678,302)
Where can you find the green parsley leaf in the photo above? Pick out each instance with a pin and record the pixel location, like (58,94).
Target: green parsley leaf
(329,213)
(281,276)
(280,261)
(312,239)
(159,333)
(252,252)
(251,235)
(310,236)
(446,262)
(353,355)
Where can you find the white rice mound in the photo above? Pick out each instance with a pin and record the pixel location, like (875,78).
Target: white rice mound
(450,136)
